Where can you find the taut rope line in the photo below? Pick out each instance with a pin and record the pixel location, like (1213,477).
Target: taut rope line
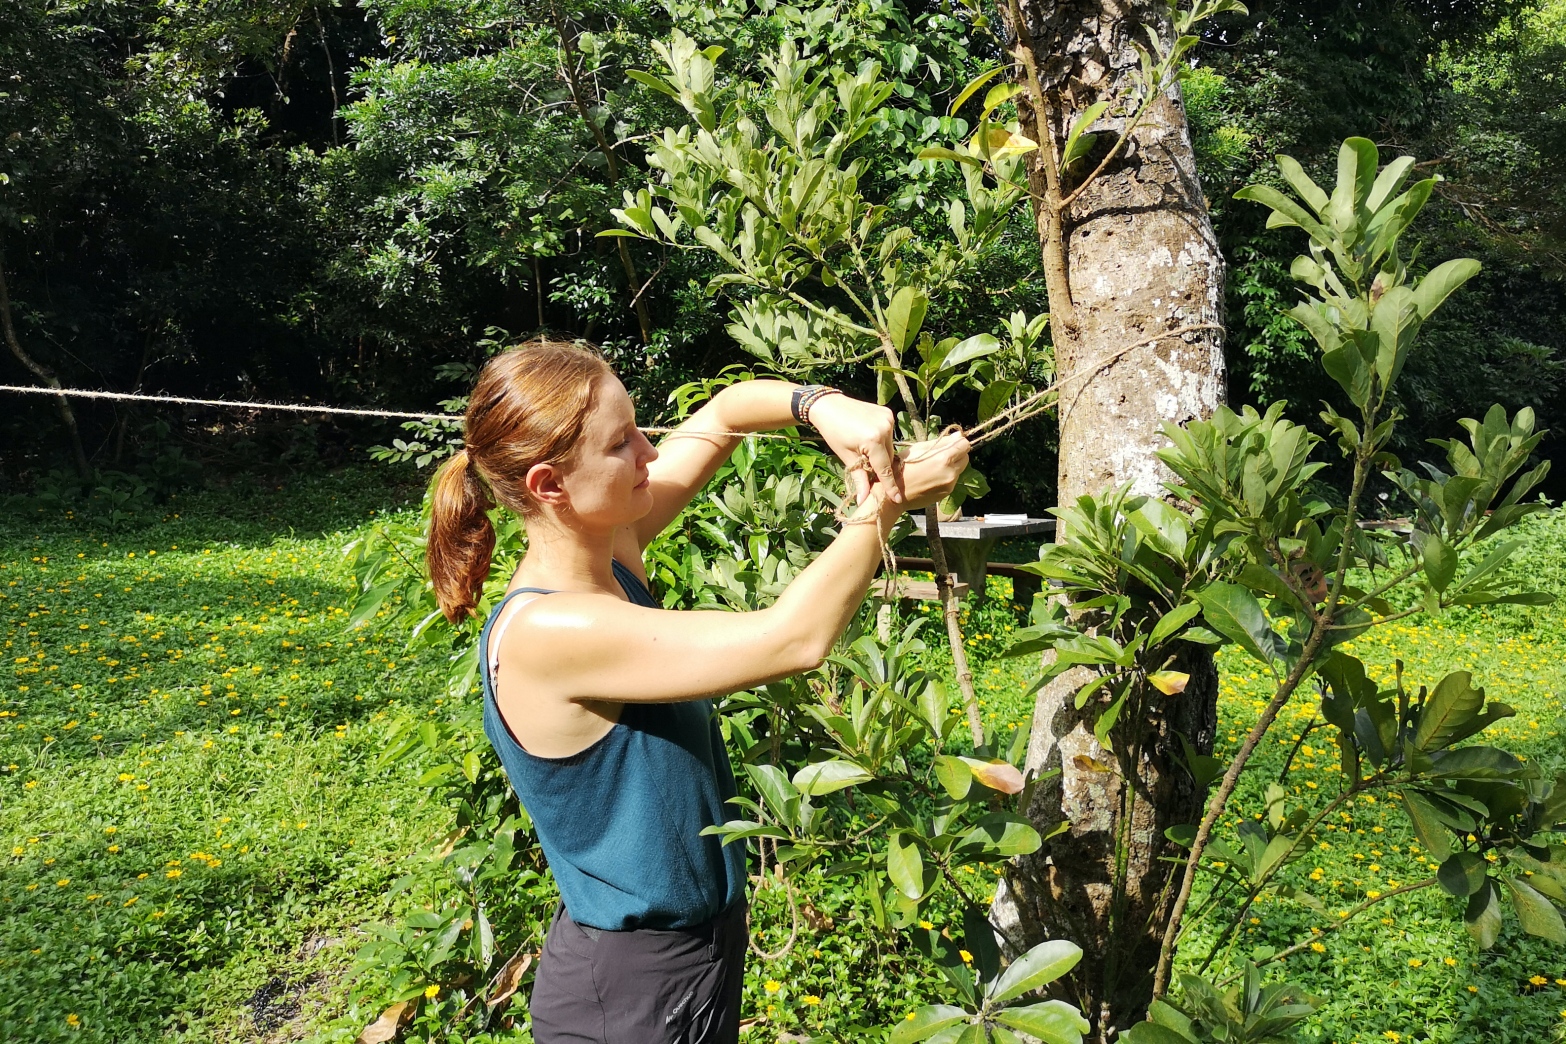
(978,434)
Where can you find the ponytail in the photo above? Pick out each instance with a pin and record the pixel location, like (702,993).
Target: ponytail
(461,539)
(527,408)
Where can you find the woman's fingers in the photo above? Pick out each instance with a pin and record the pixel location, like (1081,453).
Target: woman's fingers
(883,461)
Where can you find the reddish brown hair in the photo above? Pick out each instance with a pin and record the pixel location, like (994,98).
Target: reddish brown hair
(527,408)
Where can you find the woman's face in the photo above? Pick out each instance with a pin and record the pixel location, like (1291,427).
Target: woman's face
(606,476)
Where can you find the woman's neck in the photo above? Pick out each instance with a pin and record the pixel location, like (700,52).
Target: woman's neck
(565,558)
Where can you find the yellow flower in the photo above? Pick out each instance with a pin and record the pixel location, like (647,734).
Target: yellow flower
(432,991)
(62,882)
(1415,962)
(1473,989)
(1538,980)
(1450,962)
(173,873)
(1316,947)
(73,1020)
(967,958)
(922,924)
(1393,1036)
(812,1000)
(772,986)
(1373,894)
(114,848)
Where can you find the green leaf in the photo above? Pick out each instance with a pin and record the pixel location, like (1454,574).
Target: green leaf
(1476,763)
(1427,824)
(1535,913)
(926,1022)
(1453,704)
(1462,874)
(905,865)
(647,79)
(1040,966)
(1439,562)
(1054,1022)
(994,397)
(1443,280)
(1234,612)
(937,153)
(954,775)
(973,87)
(1003,834)
(1301,183)
(824,777)
(1078,142)
(975,347)
(1482,918)
(1153,1033)
(1171,622)
(905,315)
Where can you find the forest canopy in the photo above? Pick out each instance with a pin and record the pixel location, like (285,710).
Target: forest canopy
(340,203)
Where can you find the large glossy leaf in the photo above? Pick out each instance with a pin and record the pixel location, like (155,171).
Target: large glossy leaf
(1445,278)
(954,775)
(1462,874)
(1535,913)
(905,865)
(975,347)
(905,315)
(1450,707)
(1477,763)
(1483,916)
(1171,622)
(1003,834)
(926,1022)
(1427,824)
(1040,966)
(973,87)
(1234,612)
(1054,1022)
(824,777)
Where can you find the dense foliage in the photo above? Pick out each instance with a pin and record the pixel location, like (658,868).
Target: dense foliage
(332,202)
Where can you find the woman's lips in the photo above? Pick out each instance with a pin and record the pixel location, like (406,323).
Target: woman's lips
(643,483)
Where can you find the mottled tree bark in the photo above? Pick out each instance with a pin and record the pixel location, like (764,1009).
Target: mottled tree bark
(1132,254)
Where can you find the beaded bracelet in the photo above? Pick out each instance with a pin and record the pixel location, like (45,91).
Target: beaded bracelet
(805,396)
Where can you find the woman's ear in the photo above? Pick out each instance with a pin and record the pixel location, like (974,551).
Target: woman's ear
(544,485)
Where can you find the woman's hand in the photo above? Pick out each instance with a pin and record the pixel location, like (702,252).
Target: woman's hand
(858,432)
(930,470)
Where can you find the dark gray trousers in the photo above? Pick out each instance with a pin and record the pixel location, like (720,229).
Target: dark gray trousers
(646,986)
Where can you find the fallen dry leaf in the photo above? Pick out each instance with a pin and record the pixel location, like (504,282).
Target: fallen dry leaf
(510,978)
(385,1028)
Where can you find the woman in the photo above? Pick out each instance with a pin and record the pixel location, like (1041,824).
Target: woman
(597,701)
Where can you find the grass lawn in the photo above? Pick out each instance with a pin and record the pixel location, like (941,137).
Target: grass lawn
(193,831)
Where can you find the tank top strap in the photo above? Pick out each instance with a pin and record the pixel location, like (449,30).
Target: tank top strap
(492,648)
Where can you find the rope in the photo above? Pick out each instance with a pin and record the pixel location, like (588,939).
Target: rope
(82,393)
(979,434)
(347,411)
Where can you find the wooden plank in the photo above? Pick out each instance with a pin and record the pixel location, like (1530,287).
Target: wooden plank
(916,590)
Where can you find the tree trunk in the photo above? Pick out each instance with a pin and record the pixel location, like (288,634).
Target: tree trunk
(1132,255)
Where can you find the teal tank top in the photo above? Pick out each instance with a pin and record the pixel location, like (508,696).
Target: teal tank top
(621,822)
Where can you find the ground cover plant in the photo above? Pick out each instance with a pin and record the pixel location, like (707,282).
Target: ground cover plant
(239,942)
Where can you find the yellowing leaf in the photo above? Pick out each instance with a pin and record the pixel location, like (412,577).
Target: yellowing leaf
(997,775)
(1004,142)
(1084,763)
(385,1028)
(1168,682)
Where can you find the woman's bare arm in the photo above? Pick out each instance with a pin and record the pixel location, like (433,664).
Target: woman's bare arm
(690,455)
(593,648)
